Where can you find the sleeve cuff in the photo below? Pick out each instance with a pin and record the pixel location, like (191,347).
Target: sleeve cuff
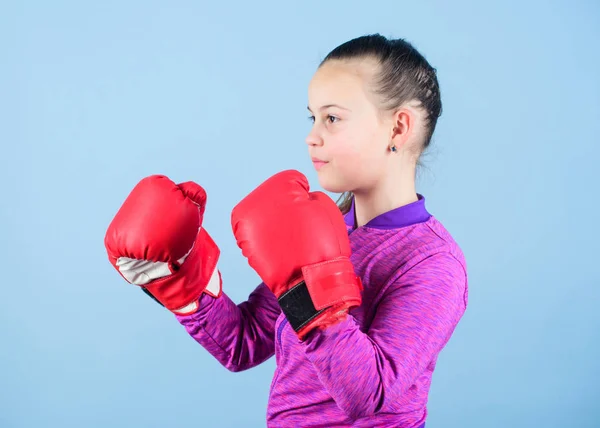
(334,332)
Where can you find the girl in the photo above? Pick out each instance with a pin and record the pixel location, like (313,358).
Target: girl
(374,104)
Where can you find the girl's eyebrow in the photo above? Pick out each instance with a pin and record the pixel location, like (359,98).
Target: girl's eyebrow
(329,105)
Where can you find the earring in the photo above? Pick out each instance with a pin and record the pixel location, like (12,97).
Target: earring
(393,148)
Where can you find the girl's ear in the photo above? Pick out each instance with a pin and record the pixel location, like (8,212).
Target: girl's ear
(403,125)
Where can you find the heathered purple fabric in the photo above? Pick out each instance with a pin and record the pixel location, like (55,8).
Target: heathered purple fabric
(375,367)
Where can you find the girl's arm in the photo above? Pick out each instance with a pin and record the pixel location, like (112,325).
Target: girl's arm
(238,336)
(415,319)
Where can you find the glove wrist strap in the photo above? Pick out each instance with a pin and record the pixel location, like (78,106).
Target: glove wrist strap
(298,307)
(322,286)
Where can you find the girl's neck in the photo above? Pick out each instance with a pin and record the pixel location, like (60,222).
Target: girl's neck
(383,198)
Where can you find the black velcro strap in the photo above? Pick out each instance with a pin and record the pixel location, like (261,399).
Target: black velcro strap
(297,306)
(145,290)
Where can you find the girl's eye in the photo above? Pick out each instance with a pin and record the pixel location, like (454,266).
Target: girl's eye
(330,119)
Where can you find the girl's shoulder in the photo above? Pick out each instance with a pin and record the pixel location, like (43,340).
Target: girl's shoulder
(431,237)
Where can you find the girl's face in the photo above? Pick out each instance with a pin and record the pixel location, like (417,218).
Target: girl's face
(349,140)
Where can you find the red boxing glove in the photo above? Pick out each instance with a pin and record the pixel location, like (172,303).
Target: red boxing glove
(156,241)
(297,243)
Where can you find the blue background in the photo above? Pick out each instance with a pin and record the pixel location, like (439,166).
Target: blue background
(95,96)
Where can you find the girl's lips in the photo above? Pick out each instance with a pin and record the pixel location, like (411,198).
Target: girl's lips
(318,164)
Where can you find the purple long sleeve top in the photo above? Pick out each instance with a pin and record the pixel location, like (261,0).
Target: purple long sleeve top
(375,367)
